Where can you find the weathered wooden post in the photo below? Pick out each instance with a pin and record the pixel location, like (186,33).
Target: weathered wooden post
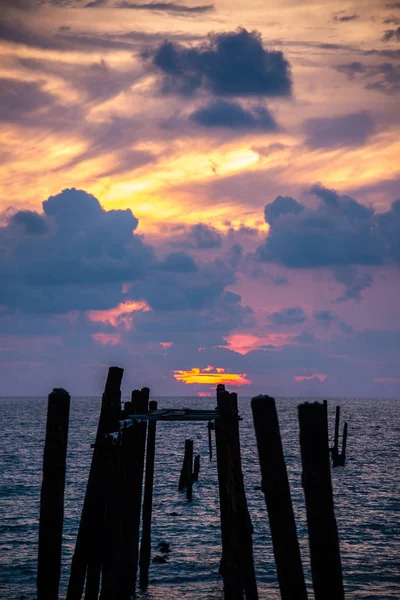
(52,495)
(322,530)
(87,557)
(275,486)
(186,476)
(145,544)
(341,458)
(210,428)
(335,448)
(196,468)
(133,452)
(237,550)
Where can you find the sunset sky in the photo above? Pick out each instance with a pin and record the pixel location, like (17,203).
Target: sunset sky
(200,193)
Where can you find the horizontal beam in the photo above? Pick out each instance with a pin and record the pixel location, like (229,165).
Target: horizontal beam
(170,415)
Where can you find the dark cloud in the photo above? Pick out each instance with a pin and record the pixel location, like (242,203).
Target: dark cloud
(288,316)
(31,222)
(282,205)
(228,64)
(21,100)
(337,132)
(384,77)
(354,283)
(392,5)
(171,7)
(178,262)
(204,236)
(338,232)
(326,318)
(344,18)
(221,113)
(392,21)
(391,34)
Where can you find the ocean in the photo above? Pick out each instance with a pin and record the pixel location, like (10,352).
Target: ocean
(366,494)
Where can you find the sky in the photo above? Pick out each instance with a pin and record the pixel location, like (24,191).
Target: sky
(200,192)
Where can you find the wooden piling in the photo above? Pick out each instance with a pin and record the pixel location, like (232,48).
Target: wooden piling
(335,449)
(275,486)
(186,476)
(322,529)
(145,544)
(133,453)
(210,428)
(196,467)
(237,550)
(341,458)
(52,495)
(87,556)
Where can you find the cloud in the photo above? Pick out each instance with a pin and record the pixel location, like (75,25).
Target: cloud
(354,283)
(337,132)
(22,100)
(221,113)
(392,5)
(204,237)
(391,34)
(288,316)
(305,338)
(384,77)
(282,205)
(344,18)
(227,64)
(326,318)
(171,7)
(338,232)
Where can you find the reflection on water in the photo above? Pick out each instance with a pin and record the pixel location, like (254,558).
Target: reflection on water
(366,499)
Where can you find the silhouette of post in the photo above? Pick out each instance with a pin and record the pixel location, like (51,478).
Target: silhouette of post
(210,428)
(186,476)
(133,453)
(52,495)
(87,556)
(237,550)
(322,529)
(196,467)
(275,486)
(335,449)
(145,545)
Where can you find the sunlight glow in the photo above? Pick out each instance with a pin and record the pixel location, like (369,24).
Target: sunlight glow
(207,377)
(121,315)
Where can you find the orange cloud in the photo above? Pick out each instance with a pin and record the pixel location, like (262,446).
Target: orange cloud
(245,342)
(107,339)
(121,315)
(166,345)
(206,377)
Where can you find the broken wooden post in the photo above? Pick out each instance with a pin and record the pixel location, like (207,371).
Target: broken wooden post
(145,544)
(186,476)
(87,555)
(322,529)
(275,486)
(196,468)
(133,453)
(237,550)
(52,495)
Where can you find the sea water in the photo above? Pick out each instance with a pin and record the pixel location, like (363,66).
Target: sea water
(366,495)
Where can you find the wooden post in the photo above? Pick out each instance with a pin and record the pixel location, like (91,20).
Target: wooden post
(52,495)
(196,468)
(133,466)
(210,428)
(335,449)
(322,530)
(145,545)
(276,491)
(237,550)
(186,476)
(341,458)
(88,549)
